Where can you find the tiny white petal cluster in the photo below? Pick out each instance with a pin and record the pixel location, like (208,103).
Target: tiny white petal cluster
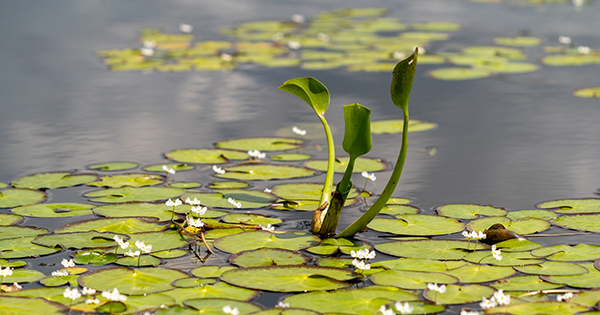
(168,170)
(72,294)
(149,44)
(185,28)
(195,223)
(368,176)
(465,312)
(361,264)
(298,18)
(17,286)
(256,154)
(234,203)
(474,235)
(218,170)
(60,273)
(363,254)
(143,247)
(298,131)
(6,272)
(171,203)
(121,242)
(564,297)
(226,57)
(565,40)
(496,253)
(199,210)
(435,287)
(398,55)
(147,52)
(114,295)
(584,50)
(67,263)
(132,254)
(501,298)
(92,301)
(281,304)
(88,291)
(267,190)
(386,311)
(269,228)
(404,309)
(194,202)
(294,45)
(231,311)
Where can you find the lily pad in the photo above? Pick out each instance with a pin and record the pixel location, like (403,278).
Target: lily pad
(21,247)
(52,180)
(509,67)
(131,180)
(563,252)
(228,185)
(411,279)
(160,241)
(519,226)
(474,273)
(361,165)
(333,245)
(289,278)
(142,261)
(17,230)
(268,257)
(539,214)
(437,26)
(399,209)
(205,156)
(132,281)
(414,264)
(185,185)
(136,209)
(257,239)
(547,308)
(570,60)
(261,144)
(553,268)
(55,210)
(94,257)
(521,41)
(592,92)
(469,211)
(265,172)
(303,191)
(14,197)
(23,275)
(584,222)
(113,166)
(250,219)
(506,52)
(451,74)
(508,258)
(78,240)
(127,194)
(22,305)
(178,167)
(192,282)
(426,249)
(524,283)
(215,306)
(250,199)
(417,224)
(290,157)
(210,271)
(10,219)
(217,290)
(459,294)
(123,225)
(395,126)
(570,206)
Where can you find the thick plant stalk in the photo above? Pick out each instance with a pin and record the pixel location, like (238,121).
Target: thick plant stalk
(321,212)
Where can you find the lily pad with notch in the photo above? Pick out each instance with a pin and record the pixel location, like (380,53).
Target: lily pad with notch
(268,257)
(589,222)
(427,249)
(469,211)
(130,180)
(362,165)
(290,157)
(11,231)
(52,180)
(393,126)
(132,281)
(55,210)
(564,252)
(127,194)
(417,224)
(475,273)
(261,144)
(205,156)
(553,268)
(211,271)
(113,166)
(570,206)
(94,257)
(123,225)
(255,171)
(137,209)
(258,239)
(21,247)
(533,213)
(15,197)
(394,210)
(345,246)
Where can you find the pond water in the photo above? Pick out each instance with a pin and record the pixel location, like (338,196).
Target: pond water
(509,140)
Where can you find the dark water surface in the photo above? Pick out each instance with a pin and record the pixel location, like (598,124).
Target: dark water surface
(510,140)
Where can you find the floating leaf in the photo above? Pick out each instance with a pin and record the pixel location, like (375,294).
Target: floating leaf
(584,222)
(411,279)
(509,67)
(517,245)
(506,52)
(228,185)
(142,261)
(286,311)
(436,26)
(250,199)
(539,214)
(210,271)
(563,252)
(469,211)
(178,167)
(508,258)
(115,225)
(417,224)
(474,273)
(22,276)
(78,240)
(13,264)
(289,278)
(268,257)
(519,226)
(127,194)
(261,144)
(303,205)
(14,231)
(192,282)
(593,92)
(399,209)
(303,191)
(21,305)
(250,219)
(428,249)
(132,281)
(215,306)
(265,172)
(258,239)
(361,165)
(94,257)
(290,157)
(217,290)
(185,185)
(547,308)
(451,74)
(522,41)
(113,166)
(395,125)
(553,268)
(333,245)
(171,253)
(205,156)
(570,60)
(524,283)
(414,264)
(14,197)
(54,210)
(21,247)
(136,209)
(10,219)
(589,205)
(459,294)
(131,180)
(160,241)
(52,180)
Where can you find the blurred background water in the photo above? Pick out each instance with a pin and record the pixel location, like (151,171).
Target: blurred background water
(510,140)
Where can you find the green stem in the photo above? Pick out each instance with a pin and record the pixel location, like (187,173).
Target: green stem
(368,216)
(328,186)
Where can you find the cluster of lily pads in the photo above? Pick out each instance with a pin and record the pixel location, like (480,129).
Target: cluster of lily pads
(425,252)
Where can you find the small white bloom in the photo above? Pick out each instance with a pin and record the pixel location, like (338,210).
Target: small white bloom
(92,301)
(88,291)
(496,253)
(584,50)
(67,263)
(256,154)
(361,264)
(121,242)
(218,170)
(149,44)
(466,234)
(132,254)
(269,228)
(234,203)
(501,298)
(465,312)
(478,235)
(386,311)
(6,272)
(60,273)
(231,311)
(298,131)
(298,18)
(199,210)
(171,203)
(194,202)
(195,223)
(72,294)
(404,309)
(143,247)
(323,37)
(114,295)
(368,176)
(565,40)
(578,3)
(398,55)
(226,57)
(435,287)
(168,170)
(294,45)
(147,52)
(185,28)
(267,190)
(485,303)
(281,304)
(564,297)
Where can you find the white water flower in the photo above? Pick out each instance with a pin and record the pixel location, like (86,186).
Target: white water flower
(565,40)
(195,223)
(6,272)
(72,294)
(114,295)
(168,170)
(496,253)
(185,28)
(171,203)
(231,311)
(386,311)
(267,190)
(501,298)
(226,57)
(485,303)
(363,254)
(404,309)
(143,247)
(147,52)
(298,131)
(16,286)
(584,50)
(277,36)
(88,291)
(234,203)
(269,228)
(92,301)
(398,55)
(360,264)
(465,312)
(132,254)
(294,45)
(281,304)
(121,242)
(218,170)
(60,273)
(256,154)
(565,297)
(199,210)
(67,263)
(368,176)
(435,287)
(194,202)
(298,18)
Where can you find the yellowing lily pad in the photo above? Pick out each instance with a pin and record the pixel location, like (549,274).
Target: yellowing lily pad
(265,172)
(593,92)
(396,125)
(452,74)
(14,197)
(228,185)
(205,156)
(361,165)
(570,60)
(261,144)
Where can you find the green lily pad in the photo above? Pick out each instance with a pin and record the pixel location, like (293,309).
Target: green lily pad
(509,67)
(55,210)
(268,257)
(17,230)
(570,60)
(351,301)
(78,240)
(10,219)
(185,185)
(519,226)
(170,253)
(265,172)
(547,308)
(136,209)
(113,166)
(589,222)
(205,156)
(361,165)
(52,180)
(521,41)
(22,305)
(336,262)
(131,180)
(395,126)
(417,224)
(473,273)
(160,241)
(426,249)
(398,201)
(413,264)
(178,167)
(257,239)
(563,252)
(570,206)
(94,257)
(250,199)
(302,205)
(290,157)
(132,281)
(451,74)
(517,245)
(436,26)
(399,209)
(303,191)
(553,268)
(217,290)
(21,247)
(331,246)
(286,311)
(506,52)
(215,306)
(539,214)
(406,279)
(524,283)
(250,219)
(23,275)
(508,258)
(469,211)
(2,185)
(289,278)
(14,197)
(52,281)
(459,294)
(123,225)
(13,264)
(261,144)
(192,282)
(593,92)
(127,194)
(210,271)
(142,261)
(228,185)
